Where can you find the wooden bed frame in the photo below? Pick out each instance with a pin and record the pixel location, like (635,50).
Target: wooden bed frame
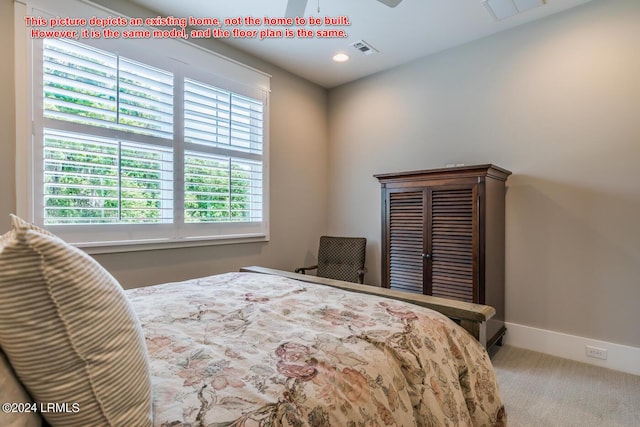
(472,317)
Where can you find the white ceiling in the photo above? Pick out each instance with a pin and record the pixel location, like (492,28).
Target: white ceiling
(413,29)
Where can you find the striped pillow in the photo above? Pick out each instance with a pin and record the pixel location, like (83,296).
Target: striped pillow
(70,333)
(11,391)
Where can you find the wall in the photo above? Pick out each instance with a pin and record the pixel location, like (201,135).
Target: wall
(7,116)
(298,168)
(556,102)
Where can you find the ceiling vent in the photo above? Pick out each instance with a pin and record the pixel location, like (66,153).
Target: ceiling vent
(364,47)
(501,9)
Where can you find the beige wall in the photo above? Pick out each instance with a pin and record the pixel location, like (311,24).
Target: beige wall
(7,116)
(298,168)
(557,102)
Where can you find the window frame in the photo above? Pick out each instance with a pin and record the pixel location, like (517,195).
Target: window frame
(181,58)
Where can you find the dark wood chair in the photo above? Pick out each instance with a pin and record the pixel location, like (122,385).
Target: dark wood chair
(340,258)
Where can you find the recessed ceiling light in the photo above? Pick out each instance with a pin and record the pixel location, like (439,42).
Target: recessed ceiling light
(340,57)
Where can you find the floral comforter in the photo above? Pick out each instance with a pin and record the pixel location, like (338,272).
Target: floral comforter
(243,349)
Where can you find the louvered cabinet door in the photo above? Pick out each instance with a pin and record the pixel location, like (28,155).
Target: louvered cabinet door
(405,240)
(443,234)
(452,236)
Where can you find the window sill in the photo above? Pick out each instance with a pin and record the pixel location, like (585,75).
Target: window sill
(158,244)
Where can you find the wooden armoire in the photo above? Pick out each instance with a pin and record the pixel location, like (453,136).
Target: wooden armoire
(443,235)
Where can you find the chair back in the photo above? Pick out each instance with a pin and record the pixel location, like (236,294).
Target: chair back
(342,258)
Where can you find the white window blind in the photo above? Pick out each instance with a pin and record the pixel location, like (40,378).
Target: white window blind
(80,84)
(135,149)
(92,180)
(145,99)
(93,87)
(225,186)
(221,118)
(219,189)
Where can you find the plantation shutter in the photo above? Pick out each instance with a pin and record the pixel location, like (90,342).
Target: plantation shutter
(223,166)
(406,230)
(221,189)
(452,231)
(93,180)
(80,83)
(89,176)
(145,99)
(219,118)
(139,144)
(93,87)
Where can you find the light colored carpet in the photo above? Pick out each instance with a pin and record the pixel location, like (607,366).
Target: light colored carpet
(545,391)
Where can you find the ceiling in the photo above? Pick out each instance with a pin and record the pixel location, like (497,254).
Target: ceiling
(413,29)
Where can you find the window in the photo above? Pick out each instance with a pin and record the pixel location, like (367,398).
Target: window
(89,178)
(225,186)
(93,180)
(131,149)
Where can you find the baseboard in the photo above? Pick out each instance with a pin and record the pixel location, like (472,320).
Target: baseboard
(619,357)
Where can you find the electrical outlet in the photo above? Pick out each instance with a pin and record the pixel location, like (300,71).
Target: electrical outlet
(596,352)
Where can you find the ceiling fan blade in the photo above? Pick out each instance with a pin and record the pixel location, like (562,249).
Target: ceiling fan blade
(390,3)
(295,8)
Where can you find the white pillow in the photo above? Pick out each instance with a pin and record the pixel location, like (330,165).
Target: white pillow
(70,333)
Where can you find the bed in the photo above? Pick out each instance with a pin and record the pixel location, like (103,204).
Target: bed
(244,349)
(235,349)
